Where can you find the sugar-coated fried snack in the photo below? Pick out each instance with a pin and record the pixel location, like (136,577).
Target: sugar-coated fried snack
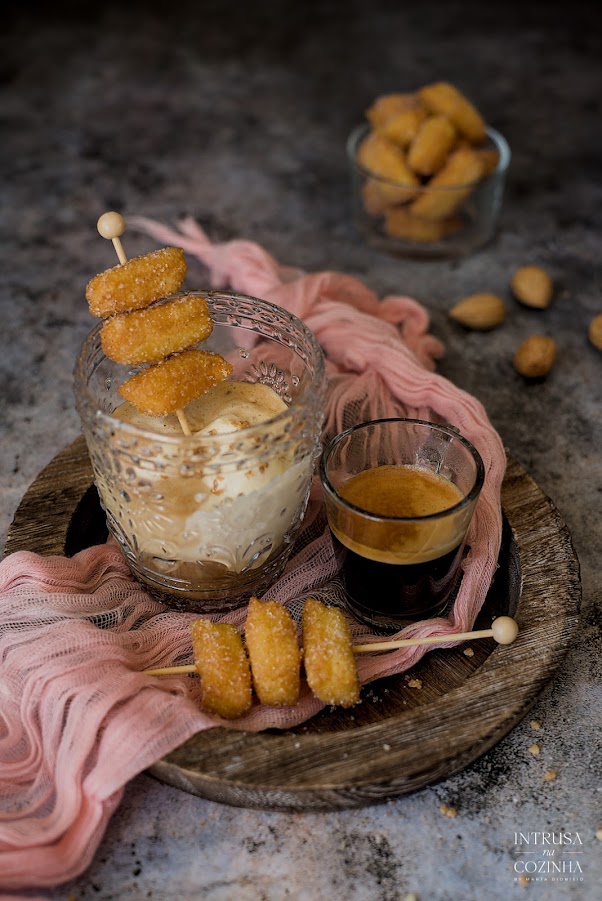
(330,665)
(273,649)
(137,283)
(490,159)
(388,105)
(445,99)
(431,146)
(459,174)
(400,223)
(378,196)
(403,127)
(223,667)
(151,334)
(383,158)
(170,385)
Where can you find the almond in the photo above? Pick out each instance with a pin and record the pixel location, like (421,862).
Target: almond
(535,356)
(532,286)
(479,311)
(595,331)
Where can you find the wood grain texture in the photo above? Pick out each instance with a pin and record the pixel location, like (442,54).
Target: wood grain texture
(400,737)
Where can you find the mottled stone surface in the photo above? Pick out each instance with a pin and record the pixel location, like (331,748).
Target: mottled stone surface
(240,119)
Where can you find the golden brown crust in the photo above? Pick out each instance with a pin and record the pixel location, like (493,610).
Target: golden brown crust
(388,105)
(170,385)
(431,145)
(403,127)
(223,667)
(151,334)
(378,196)
(442,97)
(271,638)
(385,159)
(400,223)
(137,283)
(330,665)
(490,158)
(460,173)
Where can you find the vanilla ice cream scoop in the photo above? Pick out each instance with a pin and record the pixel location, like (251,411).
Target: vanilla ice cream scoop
(222,511)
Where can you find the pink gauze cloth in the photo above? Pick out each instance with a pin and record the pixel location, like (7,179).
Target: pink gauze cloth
(78,718)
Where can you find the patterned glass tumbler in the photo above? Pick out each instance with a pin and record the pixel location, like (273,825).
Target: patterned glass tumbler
(194,546)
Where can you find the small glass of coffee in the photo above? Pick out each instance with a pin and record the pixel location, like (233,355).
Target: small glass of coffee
(399,496)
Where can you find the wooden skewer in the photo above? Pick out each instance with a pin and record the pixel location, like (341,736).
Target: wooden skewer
(111,226)
(503,630)
(170,670)
(183,422)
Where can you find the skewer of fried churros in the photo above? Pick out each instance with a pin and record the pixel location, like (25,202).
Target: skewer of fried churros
(272,660)
(145,324)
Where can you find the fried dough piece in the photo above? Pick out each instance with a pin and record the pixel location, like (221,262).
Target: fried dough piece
(271,638)
(378,196)
(403,127)
(383,158)
(388,105)
(442,97)
(490,159)
(151,334)
(459,174)
(137,283)
(400,223)
(431,146)
(170,385)
(330,665)
(223,666)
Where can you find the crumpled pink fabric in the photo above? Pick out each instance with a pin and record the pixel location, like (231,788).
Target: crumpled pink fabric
(78,719)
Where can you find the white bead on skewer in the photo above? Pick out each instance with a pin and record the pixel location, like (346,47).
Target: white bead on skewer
(504,630)
(111,226)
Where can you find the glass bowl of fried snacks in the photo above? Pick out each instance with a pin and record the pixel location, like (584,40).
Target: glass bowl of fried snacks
(427,174)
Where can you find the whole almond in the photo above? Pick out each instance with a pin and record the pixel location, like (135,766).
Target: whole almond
(532,286)
(535,357)
(479,311)
(595,331)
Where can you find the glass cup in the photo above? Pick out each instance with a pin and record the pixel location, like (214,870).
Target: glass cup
(206,521)
(382,209)
(399,497)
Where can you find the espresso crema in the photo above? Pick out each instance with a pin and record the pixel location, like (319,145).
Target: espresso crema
(402,495)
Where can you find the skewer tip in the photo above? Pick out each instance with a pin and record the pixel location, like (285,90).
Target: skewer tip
(111,225)
(504,629)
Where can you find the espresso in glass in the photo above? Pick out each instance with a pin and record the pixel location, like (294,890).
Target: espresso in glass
(399,496)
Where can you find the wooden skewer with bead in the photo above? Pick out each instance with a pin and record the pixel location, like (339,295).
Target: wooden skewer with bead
(111,226)
(504,630)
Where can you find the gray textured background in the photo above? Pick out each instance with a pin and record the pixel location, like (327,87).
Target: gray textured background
(238,115)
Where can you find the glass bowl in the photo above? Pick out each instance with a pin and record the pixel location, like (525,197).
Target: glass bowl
(207,521)
(383,210)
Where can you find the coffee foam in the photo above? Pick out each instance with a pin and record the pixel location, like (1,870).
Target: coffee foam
(228,407)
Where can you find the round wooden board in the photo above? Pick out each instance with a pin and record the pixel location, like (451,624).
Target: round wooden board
(402,736)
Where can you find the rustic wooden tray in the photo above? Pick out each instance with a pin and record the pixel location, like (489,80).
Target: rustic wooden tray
(400,737)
